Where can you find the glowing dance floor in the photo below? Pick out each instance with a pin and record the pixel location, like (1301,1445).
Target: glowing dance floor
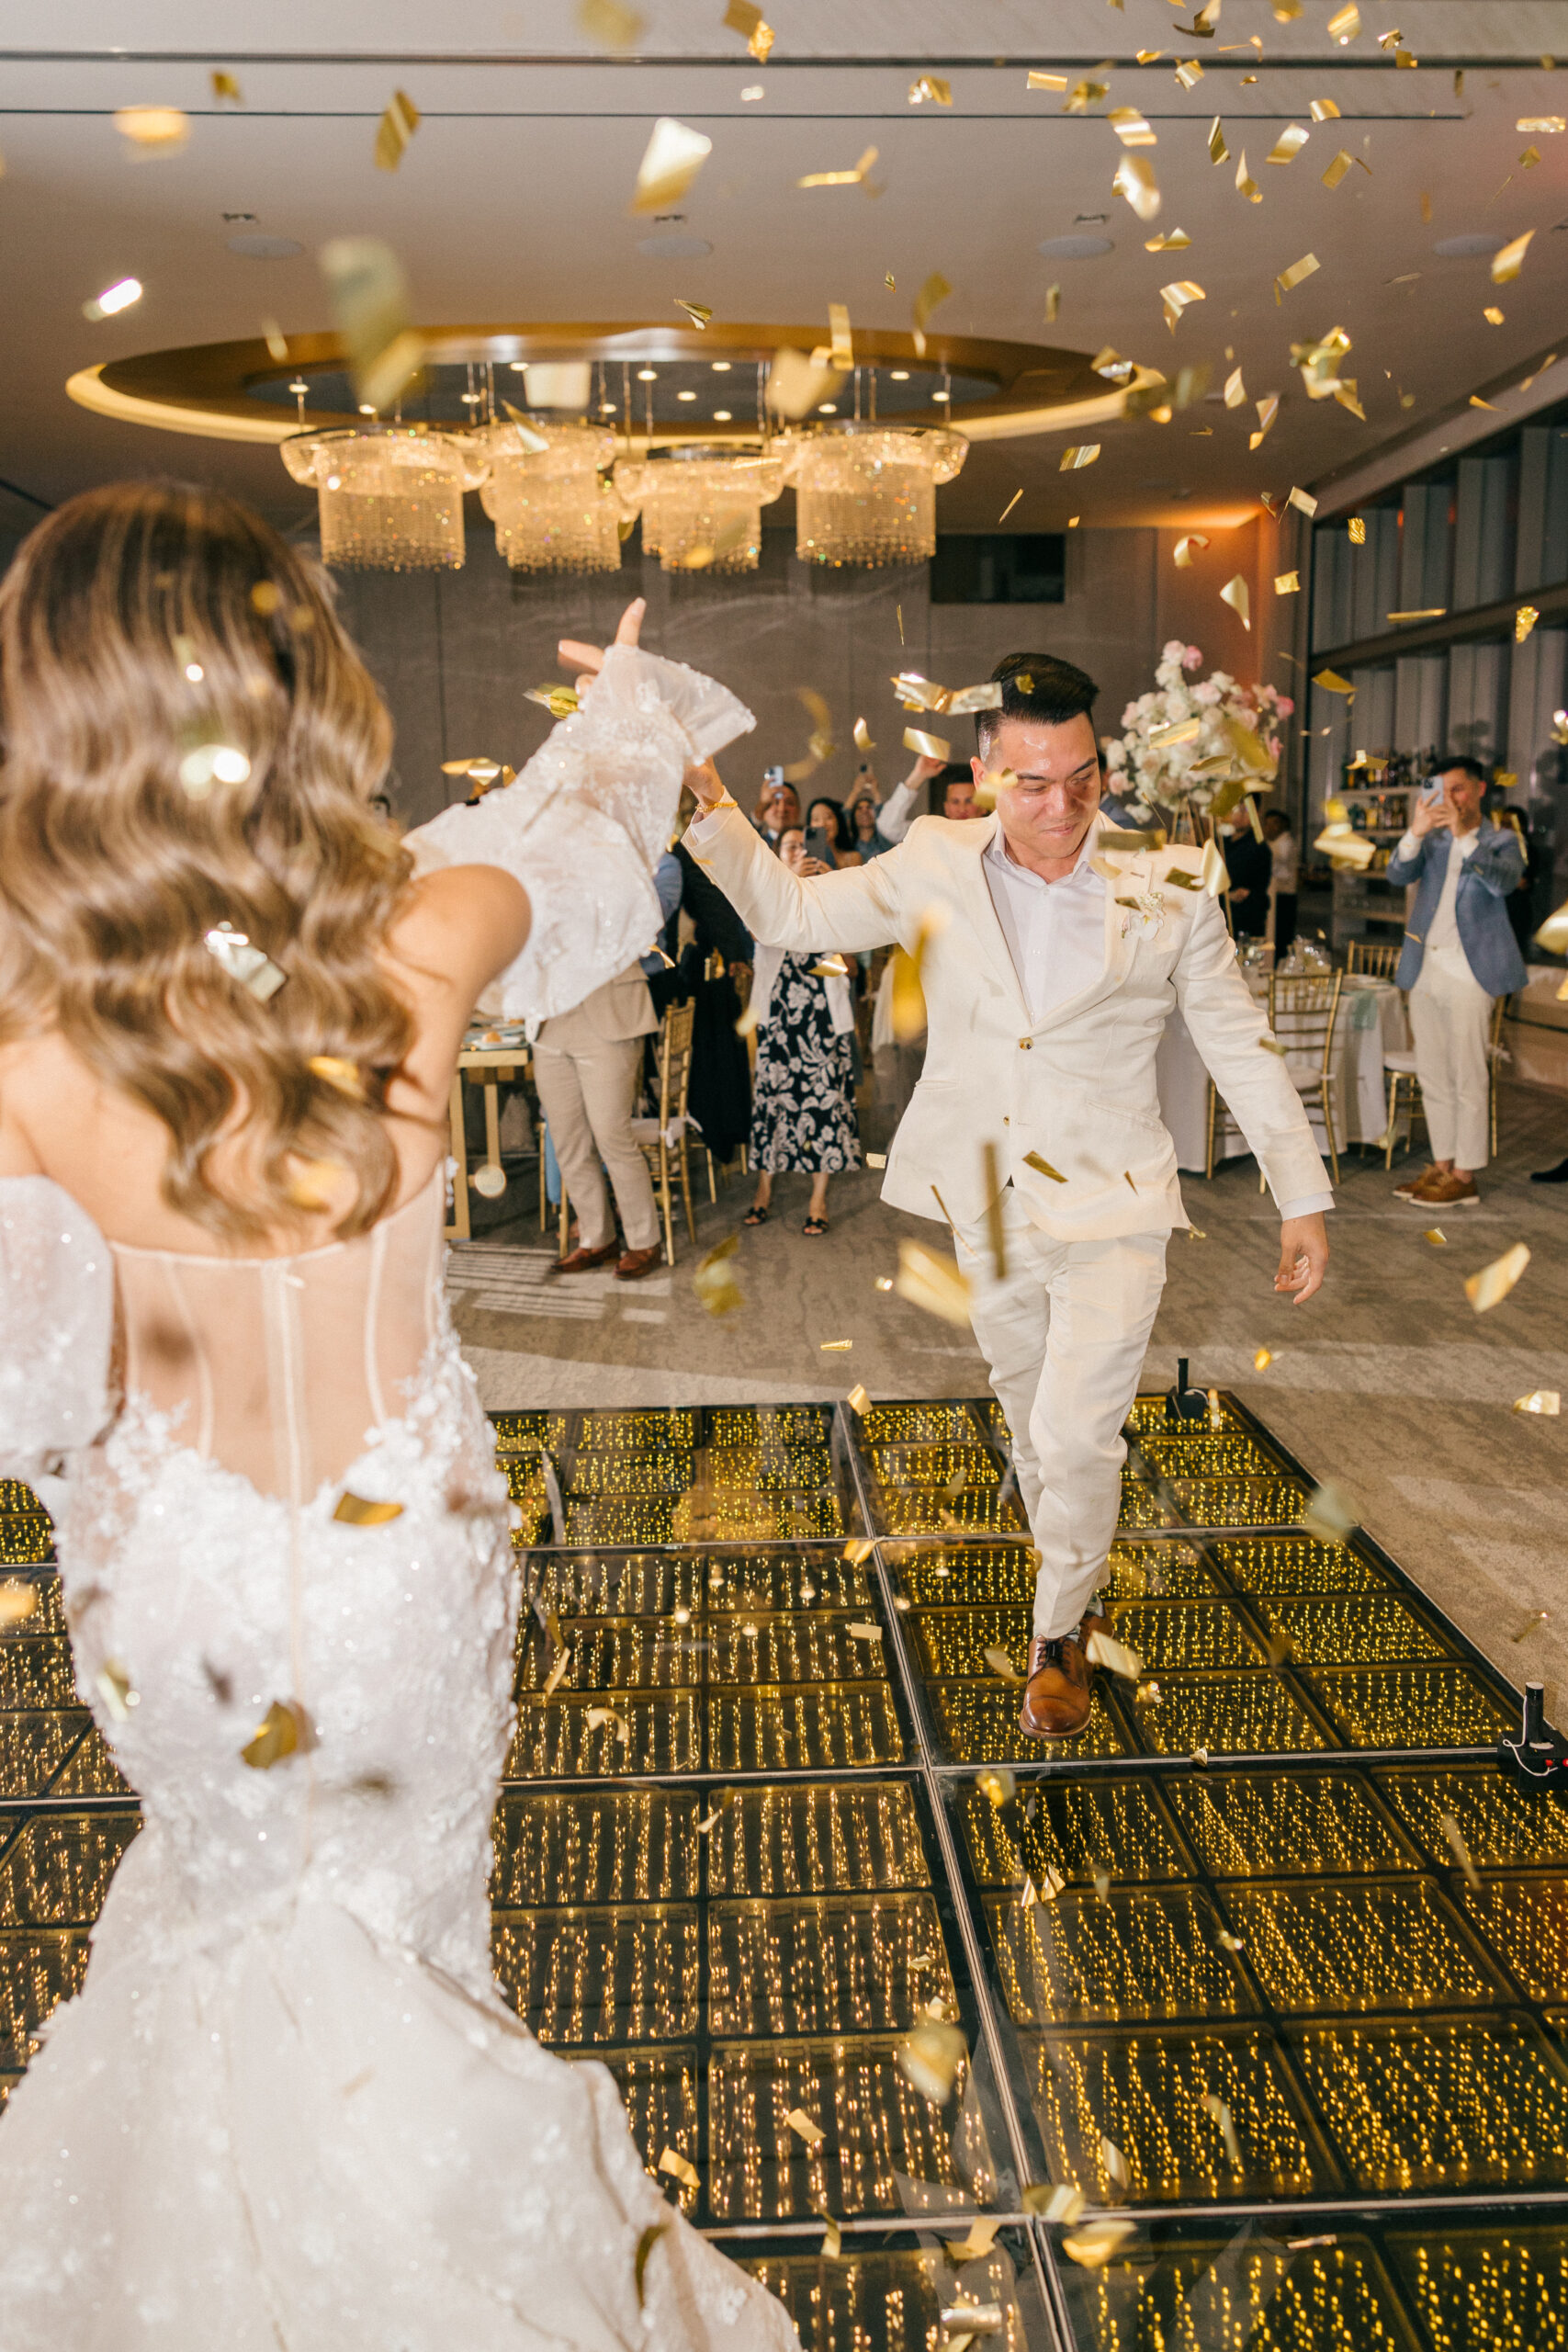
(1270,1966)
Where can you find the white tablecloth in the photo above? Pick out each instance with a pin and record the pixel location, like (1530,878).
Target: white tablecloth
(1372,1020)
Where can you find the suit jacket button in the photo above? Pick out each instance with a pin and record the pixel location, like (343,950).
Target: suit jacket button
(1025,1044)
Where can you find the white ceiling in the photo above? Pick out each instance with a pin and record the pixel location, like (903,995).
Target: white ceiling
(511,203)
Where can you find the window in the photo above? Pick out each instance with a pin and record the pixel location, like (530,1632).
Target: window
(1000,568)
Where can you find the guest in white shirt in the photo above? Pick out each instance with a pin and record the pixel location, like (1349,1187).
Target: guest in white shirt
(1049,963)
(1281,883)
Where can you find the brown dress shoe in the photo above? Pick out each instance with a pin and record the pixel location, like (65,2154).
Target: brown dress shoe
(1059,1690)
(580,1260)
(637,1262)
(1449,1190)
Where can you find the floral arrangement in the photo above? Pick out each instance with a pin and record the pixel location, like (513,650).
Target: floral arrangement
(1190,738)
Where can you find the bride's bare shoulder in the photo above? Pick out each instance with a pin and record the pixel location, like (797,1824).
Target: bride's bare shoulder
(18,1084)
(458,925)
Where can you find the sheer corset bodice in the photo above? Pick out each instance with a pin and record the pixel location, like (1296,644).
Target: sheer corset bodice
(277,1368)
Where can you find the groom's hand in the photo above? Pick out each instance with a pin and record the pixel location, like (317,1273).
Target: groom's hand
(705,785)
(1303,1256)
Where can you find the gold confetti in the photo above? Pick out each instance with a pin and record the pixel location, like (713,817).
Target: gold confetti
(1054,2200)
(820,745)
(116,1689)
(1288,144)
(1507,265)
(863,735)
(836,1347)
(1216,2108)
(1185,548)
(1539,1400)
(1476,401)
(1084,96)
(878,1159)
(929,88)
(250,966)
(832,2236)
(1234,593)
(1046,82)
(1007,510)
(1323,110)
(1332,681)
(354,1510)
(601,1719)
(932,1283)
(1176,242)
(1302,501)
(928,747)
(1537,1616)
(1001,1665)
(646,2243)
(805,2127)
(1492,1284)
(842,353)
(1188,72)
(609,24)
(370,303)
(1435,1236)
(1136,180)
(1130,128)
(1542,125)
(859,1398)
(698,312)
(1097,2242)
(1043,1167)
(749,23)
(1115,2164)
(1218,152)
(1177,297)
(1084,454)
(932,294)
(1328,1512)
(670,161)
(1525,620)
(557,1675)
(796,385)
(397,127)
(999,1784)
(1053,304)
(1289,279)
(1462,1854)
(1356,529)
(1102,1650)
(1337,168)
(285,1730)
(929,2059)
(1268,410)
(1286,583)
(333,1070)
(982,2237)
(225,86)
(713,1278)
(1345,26)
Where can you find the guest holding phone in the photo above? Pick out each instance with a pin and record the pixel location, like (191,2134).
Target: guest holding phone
(827,836)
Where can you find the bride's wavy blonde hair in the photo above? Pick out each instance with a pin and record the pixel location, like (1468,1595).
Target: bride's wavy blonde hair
(139,623)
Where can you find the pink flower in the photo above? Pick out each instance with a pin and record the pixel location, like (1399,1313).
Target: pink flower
(1284,705)
(1193,658)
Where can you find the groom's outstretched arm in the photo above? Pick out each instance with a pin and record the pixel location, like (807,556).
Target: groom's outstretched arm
(859,907)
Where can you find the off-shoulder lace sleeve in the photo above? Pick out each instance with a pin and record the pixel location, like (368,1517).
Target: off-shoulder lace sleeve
(56,1320)
(585,824)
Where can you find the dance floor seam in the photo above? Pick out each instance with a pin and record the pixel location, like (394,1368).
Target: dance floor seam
(1270,1968)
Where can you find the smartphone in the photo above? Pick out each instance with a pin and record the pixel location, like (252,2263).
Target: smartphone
(818,845)
(1432,790)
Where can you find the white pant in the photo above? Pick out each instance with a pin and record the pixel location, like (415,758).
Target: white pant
(588,1093)
(1065,1332)
(1450,1016)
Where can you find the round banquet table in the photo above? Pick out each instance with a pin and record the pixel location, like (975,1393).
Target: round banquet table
(1372,1022)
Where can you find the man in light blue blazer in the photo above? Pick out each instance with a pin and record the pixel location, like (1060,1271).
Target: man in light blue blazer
(1460,953)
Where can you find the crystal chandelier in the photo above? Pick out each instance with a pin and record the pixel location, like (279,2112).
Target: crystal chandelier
(702,506)
(390,496)
(547,494)
(866,494)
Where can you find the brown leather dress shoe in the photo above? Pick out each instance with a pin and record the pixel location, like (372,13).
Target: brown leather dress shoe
(637,1262)
(1059,1691)
(580,1260)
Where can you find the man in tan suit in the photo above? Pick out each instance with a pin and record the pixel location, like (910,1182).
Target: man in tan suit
(587,1064)
(1049,964)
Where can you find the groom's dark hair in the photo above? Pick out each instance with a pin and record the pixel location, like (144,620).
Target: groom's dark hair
(1036,686)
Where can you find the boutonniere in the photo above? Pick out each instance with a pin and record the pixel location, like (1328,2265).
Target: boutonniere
(1148,909)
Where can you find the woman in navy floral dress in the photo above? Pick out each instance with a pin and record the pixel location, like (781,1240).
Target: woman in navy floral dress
(803,1117)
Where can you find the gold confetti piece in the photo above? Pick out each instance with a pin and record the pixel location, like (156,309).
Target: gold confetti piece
(1086,95)
(748,22)
(1438,1238)
(645,2245)
(1083,454)
(1043,1167)
(1537,1616)
(876,1160)
(1097,2242)
(283,1731)
(713,1278)
(1345,26)
(1130,127)
(1507,265)
(805,2127)
(1053,2201)
(1053,304)
(1136,180)
(370,304)
(982,2237)
(1102,1650)
(698,312)
(602,1718)
(1286,583)
(859,1398)
(1333,681)
(1462,1854)
(335,1071)
(932,1283)
(863,732)
(931,296)
(557,1675)
(1268,410)
(836,1347)
(999,1783)
(1530,159)
(1356,529)
(1180,730)
(1177,297)
(225,86)
(1492,1284)
(1323,110)
(1218,152)
(964,699)
(1525,620)
(820,745)
(1216,2108)
(1289,279)
(1234,593)
(1542,125)
(1328,1512)
(397,127)
(1046,82)
(677,2165)
(1052,1884)
(859,1548)
(832,2236)
(865,1632)
(250,966)
(1302,501)
(929,88)
(796,385)
(1245,184)
(1493,315)
(609,24)
(929,2059)
(1176,242)
(1115,2164)
(1186,548)
(1476,401)
(1001,1664)
(670,161)
(116,1689)
(354,1510)
(1007,510)
(1539,1400)
(1200,1757)
(1188,72)
(1288,144)
(843,351)
(928,747)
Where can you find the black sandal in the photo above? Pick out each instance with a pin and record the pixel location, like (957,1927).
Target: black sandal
(814,1225)
(758,1215)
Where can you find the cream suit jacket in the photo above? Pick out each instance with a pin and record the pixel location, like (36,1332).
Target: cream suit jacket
(1076,1091)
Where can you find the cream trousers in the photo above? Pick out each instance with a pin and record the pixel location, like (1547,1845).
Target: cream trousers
(1450,1016)
(588,1093)
(1065,1331)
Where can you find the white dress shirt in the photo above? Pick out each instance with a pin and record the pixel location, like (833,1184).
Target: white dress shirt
(1442,932)
(1056,935)
(1283,877)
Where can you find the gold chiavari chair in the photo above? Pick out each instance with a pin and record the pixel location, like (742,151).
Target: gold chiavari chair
(666,1139)
(1304,1015)
(1379,958)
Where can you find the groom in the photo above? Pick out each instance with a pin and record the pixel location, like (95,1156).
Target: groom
(1050,964)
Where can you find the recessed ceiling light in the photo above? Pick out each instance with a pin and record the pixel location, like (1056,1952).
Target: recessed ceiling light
(366,409)
(648,375)
(686,396)
(606,408)
(719,367)
(900,375)
(941,396)
(299,386)
(752,93)
(722,416)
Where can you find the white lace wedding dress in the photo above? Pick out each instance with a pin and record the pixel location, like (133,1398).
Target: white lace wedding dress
(290,2111)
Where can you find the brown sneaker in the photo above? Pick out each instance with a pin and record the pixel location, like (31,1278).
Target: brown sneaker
(579,1260)
(1450,1192)
(1412,1184)
(637,1262)
(1059,1690)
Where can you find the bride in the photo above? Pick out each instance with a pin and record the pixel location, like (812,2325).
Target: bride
(290,2112)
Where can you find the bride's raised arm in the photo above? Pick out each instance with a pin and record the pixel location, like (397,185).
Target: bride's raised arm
(582,827)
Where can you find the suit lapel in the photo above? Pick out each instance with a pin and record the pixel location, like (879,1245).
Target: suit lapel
(1119,947)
